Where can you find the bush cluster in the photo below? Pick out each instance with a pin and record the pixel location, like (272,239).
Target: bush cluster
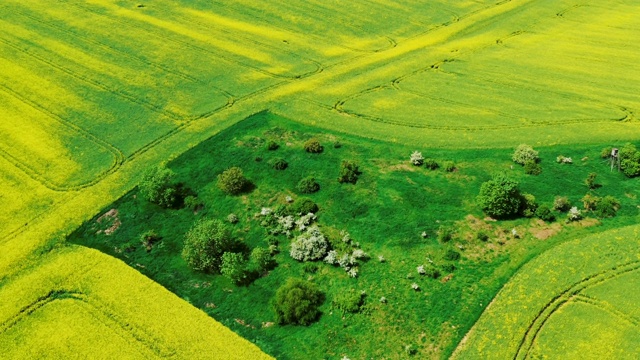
(303,206)
(309,246)
(205,243)
(603,207)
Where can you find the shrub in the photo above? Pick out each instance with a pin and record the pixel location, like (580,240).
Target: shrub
(232,218)
(308,185)
(348,302)
(349,172)
(272,240)
(337,145)
(297,302)
(524,153)
(448,268)
(445,234)
(629,160)
(431,164)
(532,168)
(233,267)
(564,160)
(261,259)
(574,214)
(431,272)
(452,255)
(156,186)
(590,202)
(272,145)
(310,268)
(449,166)
(482,236)
(500,197)
(129,246)
(607,207)
(148,238)
(528,205)
(204,245)
(590,181)
(416,158)
(192,202)
(313,146)
(561,203)
(606,152)
(232,181)
(544,213)
(310,246)
(303,206)
(279,163)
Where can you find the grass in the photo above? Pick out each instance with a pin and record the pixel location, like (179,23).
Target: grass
(78,81)
(434,319)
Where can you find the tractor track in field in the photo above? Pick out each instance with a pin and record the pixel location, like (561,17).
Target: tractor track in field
(571,293)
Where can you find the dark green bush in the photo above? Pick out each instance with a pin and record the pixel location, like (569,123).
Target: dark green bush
(149,238)
(204,245)
(607,207)
(272,240)
(431,272)
(297,302)
(606,152)
(452,255)
(528,205)
(532,167)
(337,145)
(348,302)
(590,181)
(310,268)
(308,185)
(500,197)
(431,164)
(561,203)
(349,172)
(544,213)
(193,203)
(279,163)
(313,146)
(232,181)
(303,206)
(449,268)
(272,145)
(482,236)
(261,260)
(630,160)
(445,234)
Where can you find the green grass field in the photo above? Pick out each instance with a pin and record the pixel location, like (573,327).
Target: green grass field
(92,93)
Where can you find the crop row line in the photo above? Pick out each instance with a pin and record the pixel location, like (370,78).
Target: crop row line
(605,306)
(105,46)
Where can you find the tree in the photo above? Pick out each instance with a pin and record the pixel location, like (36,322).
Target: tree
(348,172)
(205,244)
(157,187)
(500,196)
(308,185)
(261,259)
(232,181)
(297,302)
(629,160)
(524,153)
(590,181)
(233,266)
(313,146)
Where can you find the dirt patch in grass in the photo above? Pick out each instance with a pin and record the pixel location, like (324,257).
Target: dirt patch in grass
(111,219)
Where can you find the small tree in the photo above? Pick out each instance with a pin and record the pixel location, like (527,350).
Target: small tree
(528,205)
(500,197)
(297,302)
(532,168)
(279,163)
(524,153)
(544,213)
(629,160)
(261,259)
(156,186)
(607,207)
(349,172)
(417,158)
(310,246)
(232,181)
(233,267)
(204,245)
(561,203)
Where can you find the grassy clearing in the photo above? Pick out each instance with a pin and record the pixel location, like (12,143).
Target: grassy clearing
(432,320)
(577,285)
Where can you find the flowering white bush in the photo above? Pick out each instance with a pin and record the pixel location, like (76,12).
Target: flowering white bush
(353,272)
(415,286)
(524,153)
(383,300)
(424,234)
(286,222)
(265,211)
(346,238)
(232,218)
(359,254)
(381,258)
(309,246)
(288,199)
(574,214)
(417,158)
(345,262)
(331,258)
(305,220)
(421,270)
